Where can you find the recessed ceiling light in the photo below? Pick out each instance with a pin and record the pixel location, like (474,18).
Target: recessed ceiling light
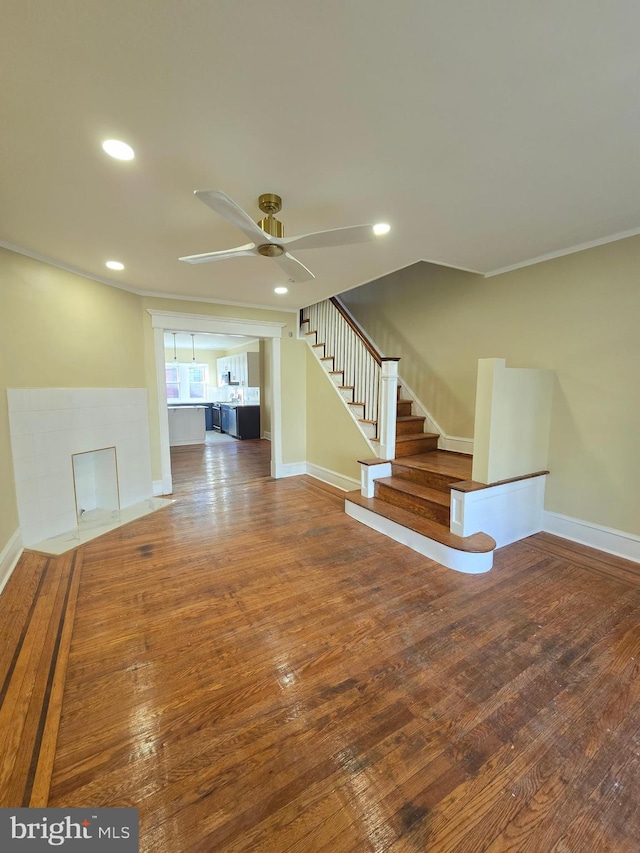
(114,265)
(281,290)
(381,228)
(119,150)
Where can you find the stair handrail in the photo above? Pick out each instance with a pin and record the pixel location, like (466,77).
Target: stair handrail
(386,397)
(351,322)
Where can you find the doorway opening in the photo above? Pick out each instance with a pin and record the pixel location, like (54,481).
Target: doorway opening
(268,333)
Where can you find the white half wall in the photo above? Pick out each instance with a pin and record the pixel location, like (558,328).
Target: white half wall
(49,425)
(512,421)
(508,512)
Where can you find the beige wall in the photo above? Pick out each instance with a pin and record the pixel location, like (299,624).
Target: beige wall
(333,440)
(254,346)
(208,357)
(58,330)
(577,315)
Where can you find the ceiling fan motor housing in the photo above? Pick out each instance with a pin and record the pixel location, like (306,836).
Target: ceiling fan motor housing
(271,203)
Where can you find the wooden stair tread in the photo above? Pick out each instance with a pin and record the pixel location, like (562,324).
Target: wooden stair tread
(457,466)
(416,437)
(414,443)
(478,543)
(417,490)
(411,418)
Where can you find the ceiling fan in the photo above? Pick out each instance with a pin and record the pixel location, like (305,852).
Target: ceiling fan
(267,237)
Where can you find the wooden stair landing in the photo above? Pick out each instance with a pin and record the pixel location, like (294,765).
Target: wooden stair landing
(37,609)
(479,543)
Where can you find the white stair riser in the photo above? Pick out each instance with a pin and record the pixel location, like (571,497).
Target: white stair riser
(369,430)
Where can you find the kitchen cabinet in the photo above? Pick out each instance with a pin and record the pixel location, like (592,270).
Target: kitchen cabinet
(240,421)
(244,369)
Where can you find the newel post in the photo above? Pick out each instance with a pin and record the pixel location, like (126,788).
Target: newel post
(388,407)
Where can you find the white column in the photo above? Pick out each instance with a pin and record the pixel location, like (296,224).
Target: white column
(163,412)
(388,407)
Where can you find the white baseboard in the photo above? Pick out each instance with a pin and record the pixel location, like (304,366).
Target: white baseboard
(266,435)
(346,484)
(157,489)
(295,469)
(288,469)
(607,539)
(9,557)
(456,444)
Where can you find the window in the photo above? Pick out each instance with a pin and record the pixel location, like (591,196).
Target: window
(197,381)
(187,383)
(173,381)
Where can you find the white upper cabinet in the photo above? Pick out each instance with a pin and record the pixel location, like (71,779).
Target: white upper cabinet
(244,369)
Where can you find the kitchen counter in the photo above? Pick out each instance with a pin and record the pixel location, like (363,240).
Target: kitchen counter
(186,425)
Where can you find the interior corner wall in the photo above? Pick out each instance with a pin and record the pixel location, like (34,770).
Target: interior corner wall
(267,386)
(59,330)
(576,315)
(333,440)
(8,505)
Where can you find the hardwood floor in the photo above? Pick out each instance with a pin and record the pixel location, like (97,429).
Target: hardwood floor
(256,671)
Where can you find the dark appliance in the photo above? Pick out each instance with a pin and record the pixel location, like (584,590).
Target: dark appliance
(241,421)
(225,378)
(215,417)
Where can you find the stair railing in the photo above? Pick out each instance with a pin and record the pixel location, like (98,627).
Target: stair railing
(373,377)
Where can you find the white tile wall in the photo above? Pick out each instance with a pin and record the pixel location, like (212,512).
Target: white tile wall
(47,425)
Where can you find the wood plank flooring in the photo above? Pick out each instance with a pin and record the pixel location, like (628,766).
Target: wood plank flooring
(256,671)
(36,613)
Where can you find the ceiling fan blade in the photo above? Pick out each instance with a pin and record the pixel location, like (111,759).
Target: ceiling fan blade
(334,237)
(238,252)
(232,212)
(295,271)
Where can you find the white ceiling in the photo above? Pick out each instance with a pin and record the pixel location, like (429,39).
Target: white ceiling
(486,134)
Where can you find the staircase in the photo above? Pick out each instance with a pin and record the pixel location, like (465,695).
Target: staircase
(415,501)
(408,491)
